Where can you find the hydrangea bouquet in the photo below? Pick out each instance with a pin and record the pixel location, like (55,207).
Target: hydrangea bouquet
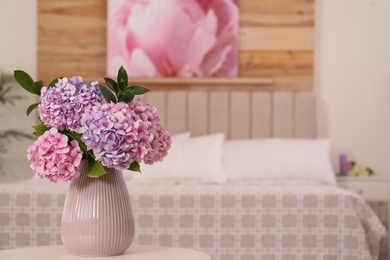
(76,124)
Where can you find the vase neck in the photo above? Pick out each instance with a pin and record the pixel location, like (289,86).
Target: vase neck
(112,174)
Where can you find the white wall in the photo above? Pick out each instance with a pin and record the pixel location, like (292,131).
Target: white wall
(352,79)
(18,50)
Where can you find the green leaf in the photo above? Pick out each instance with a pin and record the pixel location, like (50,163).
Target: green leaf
(40,129)
(135,167)
(77,137)
(31,108)
(128,94)
(137,90)
(54,82)
(112,85)
(95,169)
(107,94)
(37,86)
(122,78)
(125,97)
(25,81)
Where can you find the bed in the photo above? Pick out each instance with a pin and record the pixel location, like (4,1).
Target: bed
(245,179)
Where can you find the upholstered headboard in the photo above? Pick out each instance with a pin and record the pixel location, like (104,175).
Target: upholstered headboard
(239,114)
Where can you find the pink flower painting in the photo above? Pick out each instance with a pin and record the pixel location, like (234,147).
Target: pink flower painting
(173,38)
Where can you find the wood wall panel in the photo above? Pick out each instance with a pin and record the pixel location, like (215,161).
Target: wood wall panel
(277,6)
(253,19)
(71,38)
(273,63)
(276,41)
(276,38)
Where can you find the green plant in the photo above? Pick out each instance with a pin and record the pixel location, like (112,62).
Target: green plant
(8,96)
(7,89)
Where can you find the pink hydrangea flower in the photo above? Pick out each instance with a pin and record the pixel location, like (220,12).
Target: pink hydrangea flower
(156,139)
(62,106)
(53,158)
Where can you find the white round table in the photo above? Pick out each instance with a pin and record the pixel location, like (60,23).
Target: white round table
(135,252)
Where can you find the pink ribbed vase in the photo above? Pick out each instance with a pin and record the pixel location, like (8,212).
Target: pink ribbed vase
(97,219)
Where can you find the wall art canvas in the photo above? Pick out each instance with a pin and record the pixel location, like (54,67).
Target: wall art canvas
(173,38)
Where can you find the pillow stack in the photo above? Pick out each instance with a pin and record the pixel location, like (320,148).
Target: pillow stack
(211,159)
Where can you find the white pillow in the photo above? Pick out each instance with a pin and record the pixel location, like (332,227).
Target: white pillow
(158,168)
(279,160)
(202,159)
(196,159)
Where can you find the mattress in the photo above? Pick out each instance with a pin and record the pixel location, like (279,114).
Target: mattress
(292,220)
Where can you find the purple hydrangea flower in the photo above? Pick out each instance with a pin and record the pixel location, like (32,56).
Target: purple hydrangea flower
(112,132)
(62,106)
(53,158)
(119,134)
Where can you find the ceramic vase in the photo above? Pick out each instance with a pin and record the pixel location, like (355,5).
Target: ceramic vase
(97,218)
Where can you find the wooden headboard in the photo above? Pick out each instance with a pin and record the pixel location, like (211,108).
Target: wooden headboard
(238,114)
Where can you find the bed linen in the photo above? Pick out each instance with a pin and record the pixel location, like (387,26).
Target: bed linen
(256,220)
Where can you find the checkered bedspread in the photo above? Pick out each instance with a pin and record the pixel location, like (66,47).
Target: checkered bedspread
(230,221)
